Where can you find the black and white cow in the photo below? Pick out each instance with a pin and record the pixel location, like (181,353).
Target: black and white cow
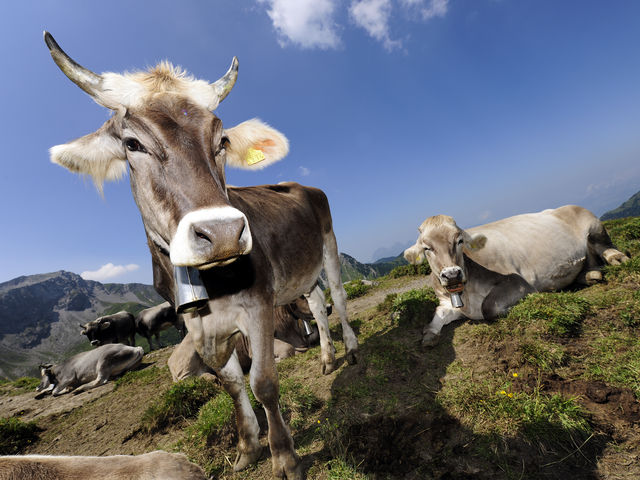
(88,370)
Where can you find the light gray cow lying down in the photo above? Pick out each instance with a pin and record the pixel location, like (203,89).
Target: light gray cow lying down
(493,266)
(156,465)
(88,370)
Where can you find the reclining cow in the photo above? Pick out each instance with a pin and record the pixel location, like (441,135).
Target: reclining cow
(493,266)
(290,338)
(156,465)
(117,328)
(88,370)
(151,321)
(255,247)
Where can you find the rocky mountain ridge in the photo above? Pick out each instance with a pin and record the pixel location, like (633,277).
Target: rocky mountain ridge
(40,316)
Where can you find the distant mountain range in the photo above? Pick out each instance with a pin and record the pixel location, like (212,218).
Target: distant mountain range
(630,208)
(40,316)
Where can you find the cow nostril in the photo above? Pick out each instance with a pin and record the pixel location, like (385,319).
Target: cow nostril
(202,236)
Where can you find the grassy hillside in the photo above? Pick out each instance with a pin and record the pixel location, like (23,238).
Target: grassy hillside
(548,392)
(630,208)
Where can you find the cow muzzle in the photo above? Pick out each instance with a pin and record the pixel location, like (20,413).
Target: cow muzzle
(453,279)
(210,237)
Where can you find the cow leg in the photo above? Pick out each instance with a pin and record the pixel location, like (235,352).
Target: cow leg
(600,247)
(315,299)
(264,383)
(444,315)
(505,295)
(249,449)
(332,269)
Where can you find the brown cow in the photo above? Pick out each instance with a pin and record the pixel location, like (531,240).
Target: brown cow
(156,465)
(256,247)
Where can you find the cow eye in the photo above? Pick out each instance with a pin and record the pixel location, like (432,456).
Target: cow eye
(224,143)
(460,241)
(134,145)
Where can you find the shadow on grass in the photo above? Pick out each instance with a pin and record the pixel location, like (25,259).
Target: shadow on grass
(386,421)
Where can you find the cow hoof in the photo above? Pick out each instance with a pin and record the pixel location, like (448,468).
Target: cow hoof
(430,339)
(291,473)
(614,257)
(328,367)
(352,357)
(243,460)
(593,277)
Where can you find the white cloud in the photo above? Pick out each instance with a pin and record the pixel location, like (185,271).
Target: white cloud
(306,23)
(304,171)
(373,16)
(108,271)
(434,8)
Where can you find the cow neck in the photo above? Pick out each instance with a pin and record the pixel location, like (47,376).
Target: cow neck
(219,281)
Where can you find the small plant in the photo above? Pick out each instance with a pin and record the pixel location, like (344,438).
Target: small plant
(297,400)
(562,313)
(355,289)
(16,435)
(19,386)
(405,270)
(544,355)
(387,304)
(182,400)
(215,416)
(143,376)
(414,305)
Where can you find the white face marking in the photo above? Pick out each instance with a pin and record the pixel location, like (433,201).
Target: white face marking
(181,251)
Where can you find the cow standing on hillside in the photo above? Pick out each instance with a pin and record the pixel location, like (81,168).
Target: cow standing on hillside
(493,266)
(151,321)
(88,370)
(256,247)
(117,328)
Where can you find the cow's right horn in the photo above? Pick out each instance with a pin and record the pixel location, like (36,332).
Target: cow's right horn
(87,80)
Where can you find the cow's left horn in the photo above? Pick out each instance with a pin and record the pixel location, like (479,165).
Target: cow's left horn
(87,80)
(223,86)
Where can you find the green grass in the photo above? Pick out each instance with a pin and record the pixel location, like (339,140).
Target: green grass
(297,401)
(16,435)
(406,270)
(19,386)
(497,405)
(544,355)
(141,377)
(355,289)
(616,361)
(414,305)
(182,400)
(559,313)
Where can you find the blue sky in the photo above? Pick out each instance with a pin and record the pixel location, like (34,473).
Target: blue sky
(397,109)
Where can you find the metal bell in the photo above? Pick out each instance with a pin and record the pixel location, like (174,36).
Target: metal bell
(456,300)
(190,291)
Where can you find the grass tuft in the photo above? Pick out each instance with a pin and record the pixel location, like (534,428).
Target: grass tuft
(182,400)
(414,305)
(561,313)
(16,435)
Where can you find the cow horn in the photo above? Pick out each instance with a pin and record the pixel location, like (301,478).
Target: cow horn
(223,86)
(87,80)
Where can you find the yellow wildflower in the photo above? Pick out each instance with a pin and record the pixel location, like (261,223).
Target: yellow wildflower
(510,395)
(502,392)
(515,375)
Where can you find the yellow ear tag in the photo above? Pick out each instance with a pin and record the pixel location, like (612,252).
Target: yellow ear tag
(254,156)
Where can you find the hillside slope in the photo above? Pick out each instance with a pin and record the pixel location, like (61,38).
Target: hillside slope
(549,392)
(40,315)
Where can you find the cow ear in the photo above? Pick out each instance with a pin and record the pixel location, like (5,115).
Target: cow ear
(99,155)
(474,242)
(255,145)
(414,255)
(104,325)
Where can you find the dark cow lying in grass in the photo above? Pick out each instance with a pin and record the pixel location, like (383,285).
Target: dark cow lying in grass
(156,465)
(291,337)
(117,328)
(88,370)
(151,321)
(493,266)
